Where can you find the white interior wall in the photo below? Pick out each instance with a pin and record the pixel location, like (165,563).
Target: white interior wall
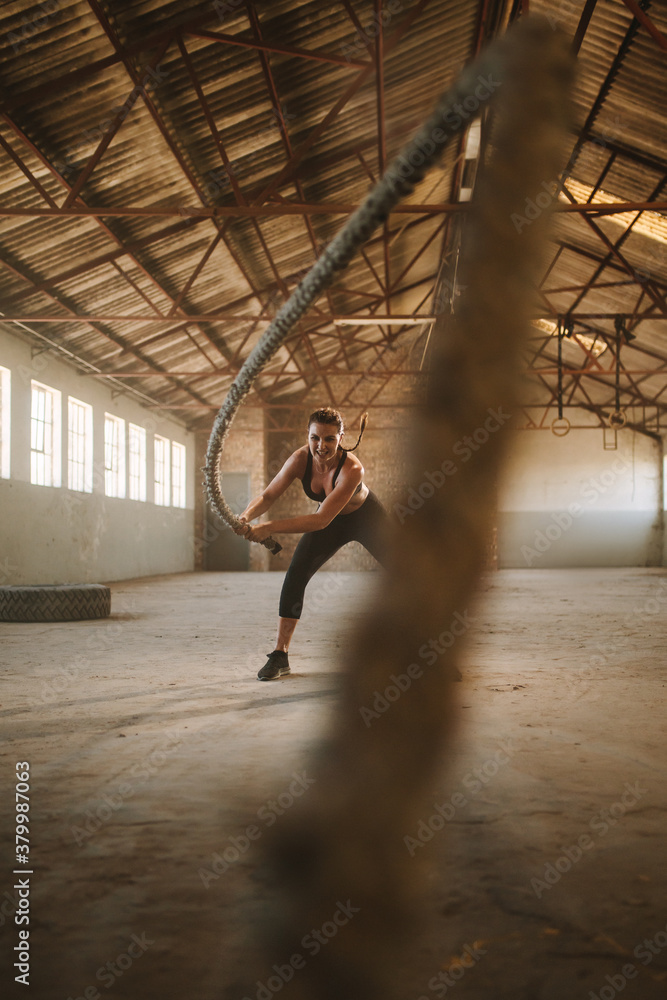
(56,535)
(566,501)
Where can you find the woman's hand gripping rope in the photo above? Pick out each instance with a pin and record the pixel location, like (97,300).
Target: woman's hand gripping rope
(260,533)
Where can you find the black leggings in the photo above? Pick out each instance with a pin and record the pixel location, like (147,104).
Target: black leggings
(363,525)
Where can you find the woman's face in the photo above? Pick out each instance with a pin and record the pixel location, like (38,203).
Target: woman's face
(323,440)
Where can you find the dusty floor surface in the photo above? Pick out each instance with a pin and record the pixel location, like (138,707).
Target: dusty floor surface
(152,748)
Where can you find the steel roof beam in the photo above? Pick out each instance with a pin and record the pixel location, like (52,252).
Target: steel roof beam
(608,263)
(602,94)
(272,47)
(646,21)
(290,169)
(582,27)
(18,160)
(277,209)
(121,251)
(613,249)
(284,134)
(109,134)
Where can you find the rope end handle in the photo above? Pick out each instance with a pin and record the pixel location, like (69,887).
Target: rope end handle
(272,545)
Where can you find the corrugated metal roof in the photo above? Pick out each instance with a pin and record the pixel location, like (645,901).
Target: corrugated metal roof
(215,125)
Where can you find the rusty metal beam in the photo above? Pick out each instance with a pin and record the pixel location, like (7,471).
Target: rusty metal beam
(646,21)
(127,249)
(110,133)
(596,259)
(233,370)
(424,246)
(287,173)
(277,209)
(284,134)
(345,319)
(614,251)
(378,56)
(14,156)
(567,370)
(582,27)
(75,77)
(317,55)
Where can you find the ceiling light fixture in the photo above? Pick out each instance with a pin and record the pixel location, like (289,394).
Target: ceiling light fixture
(383,320)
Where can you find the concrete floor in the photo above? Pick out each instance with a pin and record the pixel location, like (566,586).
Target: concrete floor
(151,745)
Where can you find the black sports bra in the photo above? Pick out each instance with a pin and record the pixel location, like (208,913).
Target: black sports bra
(306,482)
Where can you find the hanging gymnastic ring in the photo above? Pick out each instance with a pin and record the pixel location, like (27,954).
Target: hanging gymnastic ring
(617,419)
(560,426)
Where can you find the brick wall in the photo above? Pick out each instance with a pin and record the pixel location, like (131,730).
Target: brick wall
(244,452)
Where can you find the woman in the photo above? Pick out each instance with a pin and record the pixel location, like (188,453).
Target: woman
(348,512)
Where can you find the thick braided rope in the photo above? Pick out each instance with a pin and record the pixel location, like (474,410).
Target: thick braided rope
(453,113)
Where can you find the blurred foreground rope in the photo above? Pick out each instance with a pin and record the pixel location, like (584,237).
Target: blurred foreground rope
(338,855)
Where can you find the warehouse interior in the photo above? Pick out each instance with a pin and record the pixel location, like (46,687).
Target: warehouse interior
(169,172)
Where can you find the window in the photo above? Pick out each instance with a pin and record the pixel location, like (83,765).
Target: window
(178,474)
(80,446)
(5,421)
(161,471)
(137,470)
(45,439)
(114,456)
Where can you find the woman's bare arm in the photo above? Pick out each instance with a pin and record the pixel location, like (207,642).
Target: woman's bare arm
(339,497)
(276,488)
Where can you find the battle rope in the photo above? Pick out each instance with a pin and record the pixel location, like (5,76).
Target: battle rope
(453,113)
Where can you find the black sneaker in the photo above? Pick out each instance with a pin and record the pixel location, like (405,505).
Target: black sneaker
(276,666)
